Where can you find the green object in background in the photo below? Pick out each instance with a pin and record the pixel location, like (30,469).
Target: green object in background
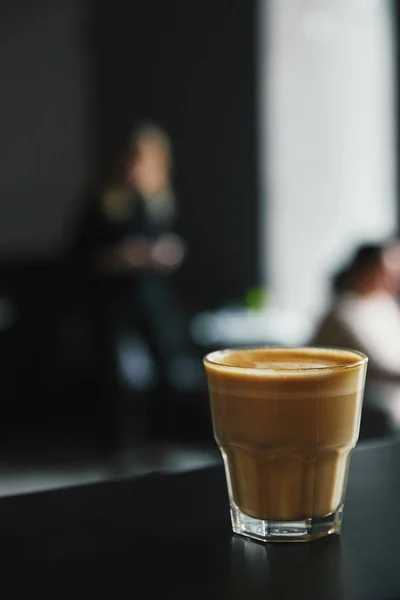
(256,299)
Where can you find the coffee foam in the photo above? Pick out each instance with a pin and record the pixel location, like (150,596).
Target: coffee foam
(288,359)
(268,365)
(296,373)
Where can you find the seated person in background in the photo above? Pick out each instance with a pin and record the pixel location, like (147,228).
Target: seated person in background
(391,259)
(365,314)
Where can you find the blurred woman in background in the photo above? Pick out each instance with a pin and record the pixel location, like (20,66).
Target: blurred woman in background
(137,211)
(131,252)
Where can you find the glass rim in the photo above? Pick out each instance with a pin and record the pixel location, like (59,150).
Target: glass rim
(210,360)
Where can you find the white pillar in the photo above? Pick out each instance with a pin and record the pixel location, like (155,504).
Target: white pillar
(327,139)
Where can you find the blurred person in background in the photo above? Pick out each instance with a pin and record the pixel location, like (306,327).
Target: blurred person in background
(131,251)
(391,258)
(365,315)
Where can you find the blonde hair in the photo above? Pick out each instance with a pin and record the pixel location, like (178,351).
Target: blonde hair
(117,196)
(150,132)
(163,202)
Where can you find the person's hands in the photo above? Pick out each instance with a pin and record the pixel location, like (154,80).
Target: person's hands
(168,252)
(136,252)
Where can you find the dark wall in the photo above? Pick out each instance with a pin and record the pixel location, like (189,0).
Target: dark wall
(191,66)
(45,144)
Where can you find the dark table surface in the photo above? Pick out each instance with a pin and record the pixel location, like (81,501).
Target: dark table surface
(169,536)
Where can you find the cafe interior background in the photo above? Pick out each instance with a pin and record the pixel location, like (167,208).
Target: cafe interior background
(283,121)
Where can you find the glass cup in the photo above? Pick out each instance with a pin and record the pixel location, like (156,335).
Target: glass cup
(286,421)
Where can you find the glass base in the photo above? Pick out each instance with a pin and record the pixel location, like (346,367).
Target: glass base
(285,531)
